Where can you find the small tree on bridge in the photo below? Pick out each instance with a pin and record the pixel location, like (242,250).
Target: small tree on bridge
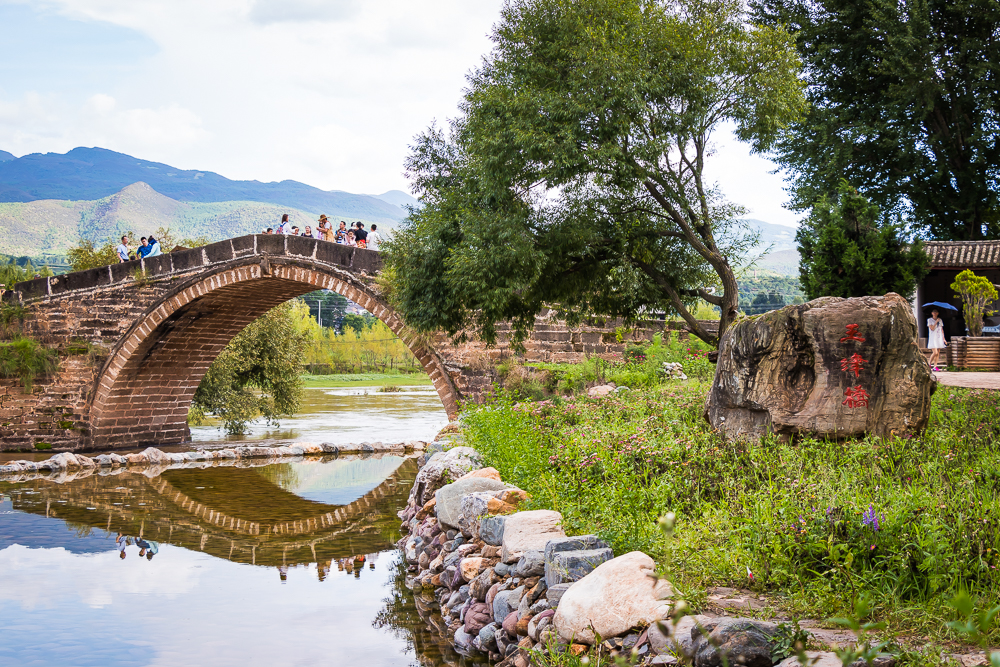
(575,174)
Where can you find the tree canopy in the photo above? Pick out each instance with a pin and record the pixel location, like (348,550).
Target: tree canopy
(903,104)
(574,174)
(256,375)
(846,251)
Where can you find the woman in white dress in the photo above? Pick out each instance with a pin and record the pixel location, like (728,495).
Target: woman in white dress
(935,338)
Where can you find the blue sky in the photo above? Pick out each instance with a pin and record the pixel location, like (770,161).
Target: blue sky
(329,92)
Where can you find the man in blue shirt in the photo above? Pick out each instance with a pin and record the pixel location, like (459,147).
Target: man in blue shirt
(122,250)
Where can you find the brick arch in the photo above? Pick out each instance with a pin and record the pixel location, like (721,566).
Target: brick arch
(144,391)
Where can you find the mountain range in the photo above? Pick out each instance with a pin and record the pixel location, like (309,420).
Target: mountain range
(89,174)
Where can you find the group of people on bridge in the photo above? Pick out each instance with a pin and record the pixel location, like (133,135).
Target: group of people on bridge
(148,247)
(355,235)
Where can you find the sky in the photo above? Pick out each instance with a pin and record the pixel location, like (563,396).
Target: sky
(327,92)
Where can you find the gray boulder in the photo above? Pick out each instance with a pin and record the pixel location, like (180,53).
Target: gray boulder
(788,372)
(569,566)
(743,641)
(570,559)
(491,530)
(487,636)
(506,602)
(449,497)
(554,593)
(530,564)
(442,468)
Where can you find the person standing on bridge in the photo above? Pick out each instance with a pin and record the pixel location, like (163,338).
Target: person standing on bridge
(342,233)
(359,232)
(374,238)
(144,248)
(154,248)
(324,229)
(285,227)
(122,250)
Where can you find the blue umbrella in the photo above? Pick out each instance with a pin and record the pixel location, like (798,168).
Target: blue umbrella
(940,304)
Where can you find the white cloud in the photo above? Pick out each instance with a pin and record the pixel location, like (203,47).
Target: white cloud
(37,123)
(279,11)
(329,92)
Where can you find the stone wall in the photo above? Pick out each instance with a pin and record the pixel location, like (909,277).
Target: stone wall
(52,412)
(473,364)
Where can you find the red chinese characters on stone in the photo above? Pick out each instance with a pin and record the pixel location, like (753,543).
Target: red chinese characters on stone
(857,397)
(852,334)
(853,364)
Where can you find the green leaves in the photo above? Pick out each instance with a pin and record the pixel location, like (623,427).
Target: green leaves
(846,250)
(256,375)
(574,175)
(976,292)
(903,104)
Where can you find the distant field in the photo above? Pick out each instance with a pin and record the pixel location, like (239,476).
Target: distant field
(364,380)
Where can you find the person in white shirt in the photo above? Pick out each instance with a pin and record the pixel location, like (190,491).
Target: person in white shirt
(374,238)
(122,250)
(285,227)
(154,248)
(935,338)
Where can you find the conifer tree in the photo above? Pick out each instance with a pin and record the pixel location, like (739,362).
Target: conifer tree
(847,251)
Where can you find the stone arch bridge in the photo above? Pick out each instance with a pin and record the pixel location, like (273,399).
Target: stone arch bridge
(138,337)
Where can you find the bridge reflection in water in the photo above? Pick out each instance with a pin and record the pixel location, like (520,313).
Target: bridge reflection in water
(207,597)
(263,515)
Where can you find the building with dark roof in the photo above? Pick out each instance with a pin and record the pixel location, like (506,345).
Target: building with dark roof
(947,260)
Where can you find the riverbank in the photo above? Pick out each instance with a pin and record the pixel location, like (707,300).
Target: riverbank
(82,465)
(810,526)
(777,531)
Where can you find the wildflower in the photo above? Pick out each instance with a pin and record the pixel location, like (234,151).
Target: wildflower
(872,519)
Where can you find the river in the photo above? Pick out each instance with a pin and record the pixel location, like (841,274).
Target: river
(225,565)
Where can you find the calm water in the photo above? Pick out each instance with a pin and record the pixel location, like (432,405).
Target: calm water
(355,414)
(283,564)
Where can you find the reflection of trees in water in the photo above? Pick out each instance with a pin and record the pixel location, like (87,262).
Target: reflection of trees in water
(399,614)
(401,617)
(282,475)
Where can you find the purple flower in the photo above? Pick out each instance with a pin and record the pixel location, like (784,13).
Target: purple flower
(872,519)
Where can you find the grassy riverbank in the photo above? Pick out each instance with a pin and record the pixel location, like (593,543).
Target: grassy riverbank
(905,523)
(365,380)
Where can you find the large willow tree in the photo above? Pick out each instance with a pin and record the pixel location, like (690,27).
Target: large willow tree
(574,174)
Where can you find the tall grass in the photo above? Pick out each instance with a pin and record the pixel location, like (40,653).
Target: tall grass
(909,522)
(25,359)
(376,349)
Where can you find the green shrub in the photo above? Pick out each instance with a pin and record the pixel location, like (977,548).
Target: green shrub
(26,359)
(43,446)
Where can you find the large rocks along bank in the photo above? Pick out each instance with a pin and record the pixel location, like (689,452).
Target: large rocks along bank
(500,583)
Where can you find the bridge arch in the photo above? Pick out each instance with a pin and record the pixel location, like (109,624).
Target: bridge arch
(144,390)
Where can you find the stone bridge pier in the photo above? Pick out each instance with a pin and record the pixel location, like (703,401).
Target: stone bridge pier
(137,337)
